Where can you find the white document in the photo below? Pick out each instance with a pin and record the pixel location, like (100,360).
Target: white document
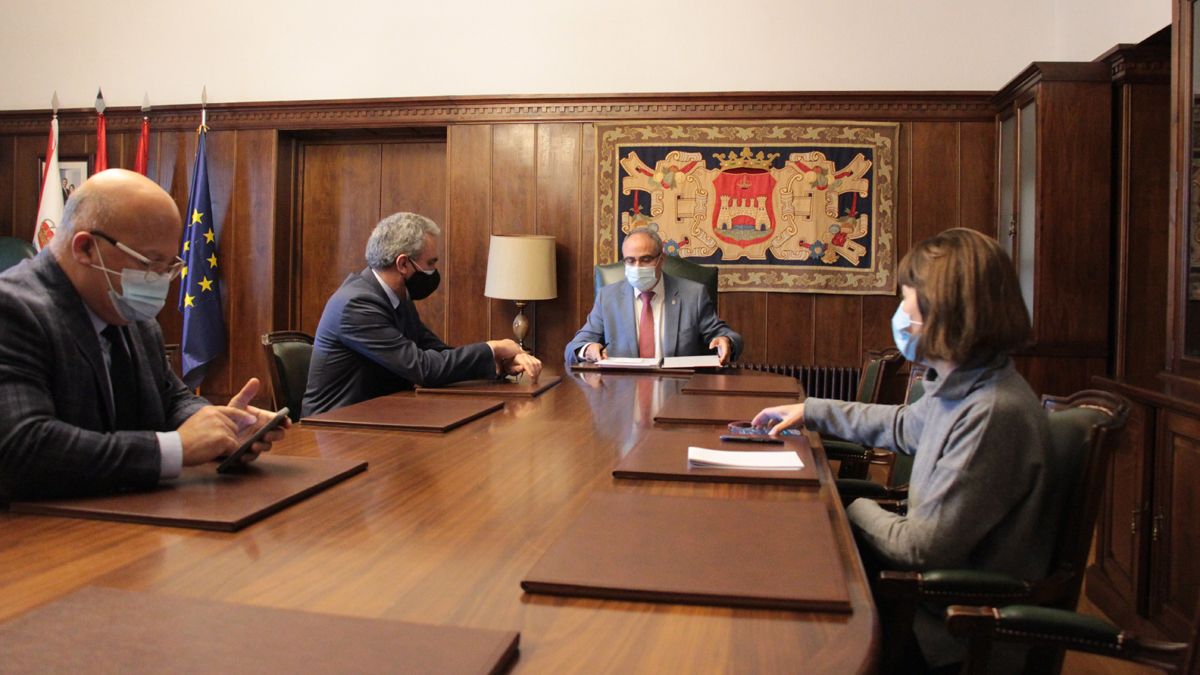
(706,361)
(627,362)
(767,460)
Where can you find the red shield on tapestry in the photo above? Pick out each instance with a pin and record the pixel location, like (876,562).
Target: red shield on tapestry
(744,215)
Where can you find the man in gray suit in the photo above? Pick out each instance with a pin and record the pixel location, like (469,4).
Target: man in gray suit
(371,341)
(87,402)
(651,314)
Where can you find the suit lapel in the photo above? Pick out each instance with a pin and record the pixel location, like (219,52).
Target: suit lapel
(626,328)
(671,309)
(79,325)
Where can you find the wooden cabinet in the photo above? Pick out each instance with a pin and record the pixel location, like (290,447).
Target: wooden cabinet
(1146,573)
(1053,214)
(1175,529)
(1121,545)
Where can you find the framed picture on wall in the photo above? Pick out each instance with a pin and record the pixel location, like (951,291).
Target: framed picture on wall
(72,171)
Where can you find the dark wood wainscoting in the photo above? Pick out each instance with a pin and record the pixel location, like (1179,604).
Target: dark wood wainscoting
(297,187)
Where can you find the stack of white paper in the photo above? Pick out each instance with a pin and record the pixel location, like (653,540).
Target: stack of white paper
(771,460)
(706,361)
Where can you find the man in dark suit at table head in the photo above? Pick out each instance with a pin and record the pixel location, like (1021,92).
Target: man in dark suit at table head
(651,314)
(87,402)
(371,341)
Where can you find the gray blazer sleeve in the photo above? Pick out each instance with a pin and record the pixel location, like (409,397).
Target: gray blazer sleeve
(981,473)
(592,331)
(891,427)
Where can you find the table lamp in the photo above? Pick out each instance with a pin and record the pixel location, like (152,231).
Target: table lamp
(521,268)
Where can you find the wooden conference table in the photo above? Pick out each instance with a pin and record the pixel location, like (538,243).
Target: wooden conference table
(441,529)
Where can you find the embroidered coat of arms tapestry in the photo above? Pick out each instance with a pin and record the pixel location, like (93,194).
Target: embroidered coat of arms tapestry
(790,206)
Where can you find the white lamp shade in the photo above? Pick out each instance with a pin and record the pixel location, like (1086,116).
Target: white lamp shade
(521,267)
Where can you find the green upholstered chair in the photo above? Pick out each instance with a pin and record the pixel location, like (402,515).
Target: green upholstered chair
(288,356)
(13,251)
(1064,630)
(1083,432)
(673,265)
(854,458)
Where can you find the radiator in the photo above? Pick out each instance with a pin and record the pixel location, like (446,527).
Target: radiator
(818,381)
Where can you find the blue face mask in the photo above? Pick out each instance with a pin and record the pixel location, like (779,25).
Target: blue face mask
(906,342)
(641,278)
(143,294)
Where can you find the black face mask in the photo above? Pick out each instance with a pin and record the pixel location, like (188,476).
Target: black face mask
(422,284)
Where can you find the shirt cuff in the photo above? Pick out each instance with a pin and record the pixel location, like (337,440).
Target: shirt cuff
(170,444)
(582,350)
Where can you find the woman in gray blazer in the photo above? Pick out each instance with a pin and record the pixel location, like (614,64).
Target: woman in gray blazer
(979,496)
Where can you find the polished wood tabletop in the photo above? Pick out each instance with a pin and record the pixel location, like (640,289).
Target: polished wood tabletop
(441,529)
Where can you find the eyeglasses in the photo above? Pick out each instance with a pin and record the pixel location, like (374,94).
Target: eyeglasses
(153,270)
(644,260)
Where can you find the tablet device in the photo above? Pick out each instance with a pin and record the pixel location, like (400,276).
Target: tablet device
(234,461)
(745,429)
(739,438)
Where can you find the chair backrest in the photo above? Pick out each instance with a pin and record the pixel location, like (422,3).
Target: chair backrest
(1083,433)
(878,365)
(288,355)
(673,265)
(13,251)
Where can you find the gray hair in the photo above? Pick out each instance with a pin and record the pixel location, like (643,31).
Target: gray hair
(398,234)
(654,236)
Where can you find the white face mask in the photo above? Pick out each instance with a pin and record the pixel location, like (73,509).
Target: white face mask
(641,278)
(143,294)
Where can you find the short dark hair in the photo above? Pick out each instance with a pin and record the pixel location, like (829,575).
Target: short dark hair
(969,297)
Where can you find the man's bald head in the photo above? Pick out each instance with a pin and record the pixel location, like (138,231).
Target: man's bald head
(124,204)
(126,207)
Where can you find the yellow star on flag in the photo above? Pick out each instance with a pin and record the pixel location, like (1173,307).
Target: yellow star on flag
(197,216)
(184,274)
(188,300)
(187,246)
(206,284)
(212,260)
(208,236)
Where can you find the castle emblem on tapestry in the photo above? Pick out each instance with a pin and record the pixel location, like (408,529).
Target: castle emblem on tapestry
(802,207)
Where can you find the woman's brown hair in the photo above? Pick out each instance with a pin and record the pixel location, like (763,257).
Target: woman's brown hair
(969,297)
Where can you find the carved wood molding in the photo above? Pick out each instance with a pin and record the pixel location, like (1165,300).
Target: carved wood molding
(383,113)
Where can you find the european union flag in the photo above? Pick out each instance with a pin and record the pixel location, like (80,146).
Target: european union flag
(200,287)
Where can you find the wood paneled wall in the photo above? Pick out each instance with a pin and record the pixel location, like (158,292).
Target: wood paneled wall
(283,204)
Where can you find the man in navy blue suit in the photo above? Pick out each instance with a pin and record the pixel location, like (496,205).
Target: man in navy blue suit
(651,314)
(371,342)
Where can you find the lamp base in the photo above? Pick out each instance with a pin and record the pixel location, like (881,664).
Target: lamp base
(520,324)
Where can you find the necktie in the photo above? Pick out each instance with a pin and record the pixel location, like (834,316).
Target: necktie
(646,327)
(124,385)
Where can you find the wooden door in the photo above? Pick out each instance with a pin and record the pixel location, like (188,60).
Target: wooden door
(1123,530)
(345,189)
(1175,531)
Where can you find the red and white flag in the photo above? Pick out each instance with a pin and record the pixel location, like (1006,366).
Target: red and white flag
(50,206)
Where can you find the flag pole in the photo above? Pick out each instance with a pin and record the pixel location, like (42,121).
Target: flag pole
(101,133)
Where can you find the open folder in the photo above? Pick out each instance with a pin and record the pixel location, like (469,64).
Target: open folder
(705,361)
